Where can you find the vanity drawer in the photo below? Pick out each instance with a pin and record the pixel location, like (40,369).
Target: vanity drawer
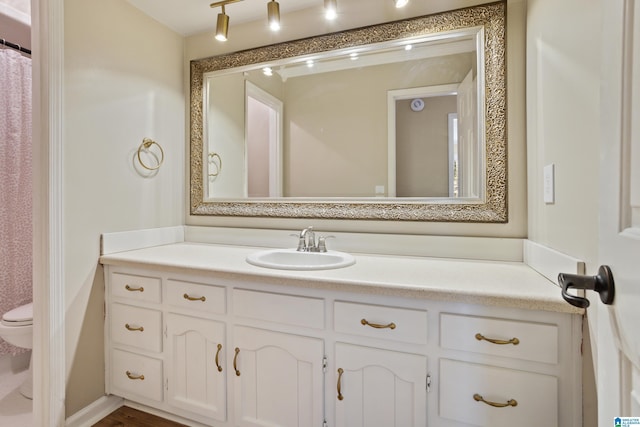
(137,327)
(279,308)
(136,288)
(196,296)
(136,375)
(392,323)
(463,385)
(536,342)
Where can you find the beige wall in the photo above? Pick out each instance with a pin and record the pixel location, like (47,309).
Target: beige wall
(360,13)
(336,141)
(422,147)
(123,79)
(563,85)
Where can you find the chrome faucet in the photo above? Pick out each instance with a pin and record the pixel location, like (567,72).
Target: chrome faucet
(307,241)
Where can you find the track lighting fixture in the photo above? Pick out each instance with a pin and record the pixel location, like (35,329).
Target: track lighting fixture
(400,3)
(222,25)
(273,15)
(330,9)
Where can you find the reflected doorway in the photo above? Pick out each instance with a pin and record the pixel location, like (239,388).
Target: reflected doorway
(431,142)
(263,131)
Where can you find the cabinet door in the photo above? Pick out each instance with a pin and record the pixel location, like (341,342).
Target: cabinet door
(196,369)
(379,388)
(279,379)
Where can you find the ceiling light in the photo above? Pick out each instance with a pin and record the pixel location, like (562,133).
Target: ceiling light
(408,47)
(330,9)
(267,71)
(222,24)
(400,3)
(273,14)
(309,63)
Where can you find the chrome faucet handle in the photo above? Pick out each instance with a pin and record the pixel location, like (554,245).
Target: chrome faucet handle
(322,244)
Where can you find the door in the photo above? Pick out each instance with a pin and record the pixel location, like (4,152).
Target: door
(263,133)
(379,388)
(196,366)
(278,379)
(618,359)
(469,166)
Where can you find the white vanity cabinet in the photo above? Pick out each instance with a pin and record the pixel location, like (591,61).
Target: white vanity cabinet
(379,388)
(377,384)
(134,331)
(237,351)
(278,378)
(504,371)
(195,358)
(278,358)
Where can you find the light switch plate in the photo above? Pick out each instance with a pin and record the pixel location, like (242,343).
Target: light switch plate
(549,184)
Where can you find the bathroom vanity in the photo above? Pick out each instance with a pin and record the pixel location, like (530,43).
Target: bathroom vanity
(195,331)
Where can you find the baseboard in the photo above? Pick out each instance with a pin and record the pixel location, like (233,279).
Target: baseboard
(165,415)
(91,414)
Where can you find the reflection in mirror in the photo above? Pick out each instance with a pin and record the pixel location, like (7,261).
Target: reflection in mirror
(390,117)
(334,128)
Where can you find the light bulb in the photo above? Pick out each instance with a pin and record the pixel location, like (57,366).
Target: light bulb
(330,9)
(273,14)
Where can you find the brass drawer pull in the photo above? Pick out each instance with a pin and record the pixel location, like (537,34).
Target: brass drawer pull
(133,328)
(235,362)
(378,326)
(514,341)
(187,297)
(218,358)
(135,377)
(130,289)
(510,402)
(340,372)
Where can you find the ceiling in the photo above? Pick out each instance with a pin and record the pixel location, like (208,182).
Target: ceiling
(188,17)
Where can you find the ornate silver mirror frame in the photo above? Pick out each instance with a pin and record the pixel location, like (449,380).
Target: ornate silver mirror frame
(493,208)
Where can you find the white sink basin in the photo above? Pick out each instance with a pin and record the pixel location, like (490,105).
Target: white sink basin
(290,259)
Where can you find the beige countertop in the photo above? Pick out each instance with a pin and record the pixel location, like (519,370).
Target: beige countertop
(505,284)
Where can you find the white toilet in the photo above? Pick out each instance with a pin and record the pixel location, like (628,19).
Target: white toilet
(16,328)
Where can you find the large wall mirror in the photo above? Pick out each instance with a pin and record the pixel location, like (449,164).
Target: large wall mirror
(399,121)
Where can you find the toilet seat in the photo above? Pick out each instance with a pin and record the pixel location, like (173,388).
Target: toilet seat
(20,316)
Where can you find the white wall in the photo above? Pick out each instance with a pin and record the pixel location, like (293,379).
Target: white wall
(563,85)
(123,79)
(358,13)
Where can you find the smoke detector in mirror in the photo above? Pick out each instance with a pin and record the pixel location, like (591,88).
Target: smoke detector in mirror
(417,104)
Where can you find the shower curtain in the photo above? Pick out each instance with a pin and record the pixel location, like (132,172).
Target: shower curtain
(15,184)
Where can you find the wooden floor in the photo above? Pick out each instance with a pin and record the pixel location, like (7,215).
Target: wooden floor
(129,417)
